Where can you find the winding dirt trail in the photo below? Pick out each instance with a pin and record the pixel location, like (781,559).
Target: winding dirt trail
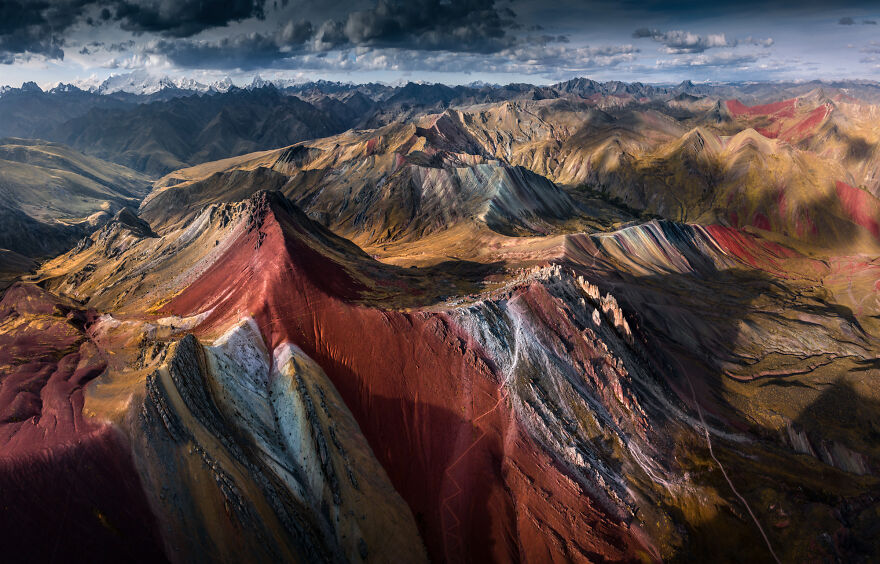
(721,466)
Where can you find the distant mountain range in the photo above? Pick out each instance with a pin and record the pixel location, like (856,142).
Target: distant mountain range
(51,195)
(158,124)
(489,323)
(143,84)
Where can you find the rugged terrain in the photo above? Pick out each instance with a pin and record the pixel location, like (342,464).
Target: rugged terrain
(577,323)
(51,196)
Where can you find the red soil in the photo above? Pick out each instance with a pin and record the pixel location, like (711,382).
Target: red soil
(47,360)
(806,126)
(784,108)
(427,399)
(755,252)
(734,218)
(846,98)
(804,225)
(781,201)
(68,487)
(761,221)
(781,118)
(371,146)
(77,502)
(862,208)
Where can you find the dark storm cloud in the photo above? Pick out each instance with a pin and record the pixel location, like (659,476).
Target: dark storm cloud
(245,51)
(331,34)
(477,26)
(31,27)
(457,25)
(455,35)
(561,61)
(182,18)
(39,27)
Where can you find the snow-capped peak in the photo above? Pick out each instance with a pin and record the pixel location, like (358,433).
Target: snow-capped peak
(259,82)
(222,85)
(63,87)
(143,83)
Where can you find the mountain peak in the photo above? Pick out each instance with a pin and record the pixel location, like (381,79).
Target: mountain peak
(62,87)
(222,86)
(260,82)
(31,86)
(125,217)
(144,83)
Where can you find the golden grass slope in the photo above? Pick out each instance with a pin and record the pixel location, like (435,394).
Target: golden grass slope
(50,182)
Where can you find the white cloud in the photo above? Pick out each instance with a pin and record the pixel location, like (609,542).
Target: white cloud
(724,59)
(677,42)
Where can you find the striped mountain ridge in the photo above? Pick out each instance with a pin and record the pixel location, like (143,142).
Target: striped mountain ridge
(541,329)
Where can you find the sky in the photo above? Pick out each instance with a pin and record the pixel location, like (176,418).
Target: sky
(450,41)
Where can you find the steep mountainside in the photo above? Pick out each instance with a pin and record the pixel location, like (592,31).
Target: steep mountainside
(159,137)
(400,183)
(13,265)
(593,322)
(773,168)
(787,169)
(51,195)
(621,364)
(30,112)
(156,125)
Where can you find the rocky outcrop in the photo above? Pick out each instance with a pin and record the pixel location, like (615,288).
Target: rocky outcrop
(290,477)
(644,390)
(62,474)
